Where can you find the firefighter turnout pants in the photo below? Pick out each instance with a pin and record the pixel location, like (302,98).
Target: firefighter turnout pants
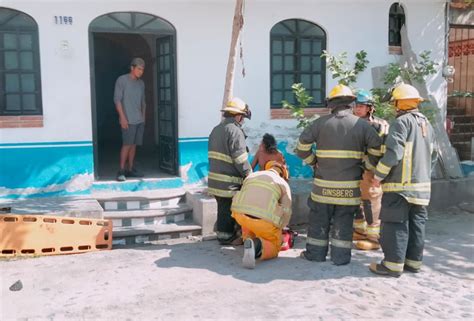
(269,234)
(367,222)
(225,225)
(402,232)
(317,242)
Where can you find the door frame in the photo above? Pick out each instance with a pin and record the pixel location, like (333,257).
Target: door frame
(91,32)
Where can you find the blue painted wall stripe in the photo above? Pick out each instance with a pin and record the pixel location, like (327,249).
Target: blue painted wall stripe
(193,139)
(46,144)
(41,167)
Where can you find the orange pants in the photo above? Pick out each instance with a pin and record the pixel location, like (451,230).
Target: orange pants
(367,221)
(269,234)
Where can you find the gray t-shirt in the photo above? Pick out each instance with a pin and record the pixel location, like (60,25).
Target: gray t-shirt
(131,93)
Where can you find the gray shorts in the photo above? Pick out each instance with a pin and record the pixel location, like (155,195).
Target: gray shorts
(133,135)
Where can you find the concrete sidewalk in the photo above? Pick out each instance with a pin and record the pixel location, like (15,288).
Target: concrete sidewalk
(194,280)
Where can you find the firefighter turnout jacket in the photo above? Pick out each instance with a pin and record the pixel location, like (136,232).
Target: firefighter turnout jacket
(265,195)
(367,190)
(342,140)
(411,152)
(382,127)
(228,158)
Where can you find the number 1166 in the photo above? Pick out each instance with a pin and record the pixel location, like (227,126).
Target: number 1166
(63,20)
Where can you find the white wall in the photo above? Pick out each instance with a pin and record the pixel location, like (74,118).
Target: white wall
(203,36)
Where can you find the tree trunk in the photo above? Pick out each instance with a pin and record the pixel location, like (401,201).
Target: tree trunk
(448,158)
(236,28)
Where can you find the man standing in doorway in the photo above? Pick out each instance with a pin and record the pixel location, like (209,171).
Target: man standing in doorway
(129,99)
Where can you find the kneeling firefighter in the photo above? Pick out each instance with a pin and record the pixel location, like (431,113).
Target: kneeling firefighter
(263,208)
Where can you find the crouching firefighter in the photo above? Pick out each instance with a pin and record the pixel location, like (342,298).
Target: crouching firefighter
(405,173)
(263,208)
(367,222)
(341,140)
(228,166)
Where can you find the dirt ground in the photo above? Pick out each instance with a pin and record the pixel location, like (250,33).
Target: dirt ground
(194,280)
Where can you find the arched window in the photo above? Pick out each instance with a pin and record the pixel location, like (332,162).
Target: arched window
(20,83)
(295,49)
(396,19)
(131,22)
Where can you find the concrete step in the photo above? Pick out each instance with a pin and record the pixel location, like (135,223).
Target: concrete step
(453,110)
(462,119)
(151,233)
(463,128)
(461,137)
(56,206)
(465,156)
(462,145)
(140,200)
(463,149)
(146,187)
(150,217)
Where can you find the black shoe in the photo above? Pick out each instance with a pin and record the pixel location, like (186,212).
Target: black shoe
(410,269)
(121,176)
(234,241)
(133,173)
(382,270)
(304,255)
(339,263)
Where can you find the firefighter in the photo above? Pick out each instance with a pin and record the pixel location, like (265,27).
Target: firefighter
(341,141)
(263,208)
(228,166)
(405,173)
(366,222)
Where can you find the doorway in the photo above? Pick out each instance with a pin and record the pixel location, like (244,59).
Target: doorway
(115,39)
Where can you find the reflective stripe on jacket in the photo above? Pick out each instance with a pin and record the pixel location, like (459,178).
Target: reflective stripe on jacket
(228,158)
(406,165)
(382,127)
(342,140)
(369,192)
(265,195)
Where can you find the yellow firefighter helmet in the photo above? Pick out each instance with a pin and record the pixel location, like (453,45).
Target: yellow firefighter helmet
(278,167)
(406,97)
(237,106)
(340,91)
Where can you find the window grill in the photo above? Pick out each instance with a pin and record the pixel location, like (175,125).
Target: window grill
(296,47)
(20,76)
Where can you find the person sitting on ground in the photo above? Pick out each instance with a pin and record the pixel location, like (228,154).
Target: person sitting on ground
(263,208)
(267,151)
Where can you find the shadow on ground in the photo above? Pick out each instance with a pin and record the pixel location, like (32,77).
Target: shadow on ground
(226,260)
(449,250)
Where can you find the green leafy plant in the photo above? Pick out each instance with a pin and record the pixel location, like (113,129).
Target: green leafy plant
(297,111)
(385,109)
(421,70)
(340,69)
(462,94)
(395,72)
(427,109)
